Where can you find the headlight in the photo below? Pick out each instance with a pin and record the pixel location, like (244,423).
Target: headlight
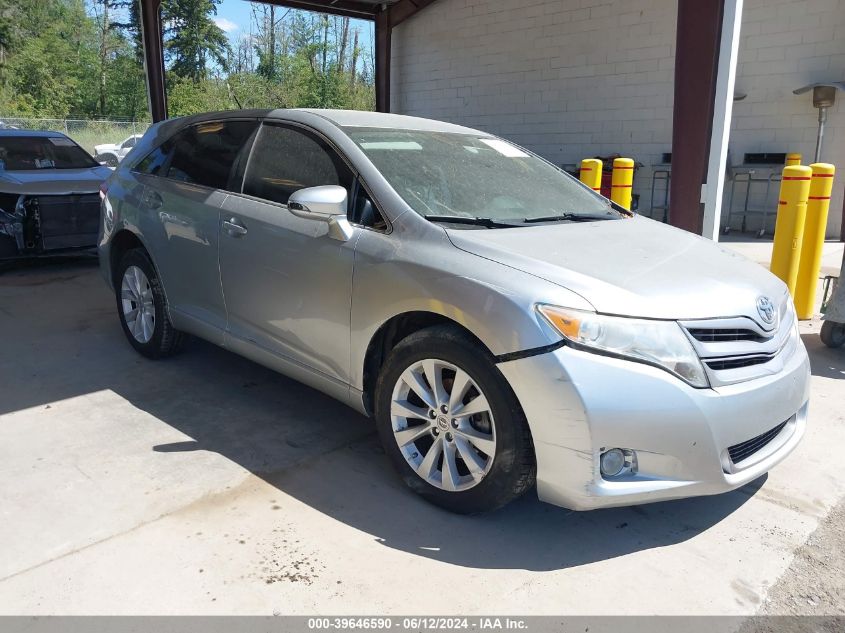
(659,343)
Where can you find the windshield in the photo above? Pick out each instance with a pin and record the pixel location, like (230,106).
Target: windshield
(19,153)
(446,175)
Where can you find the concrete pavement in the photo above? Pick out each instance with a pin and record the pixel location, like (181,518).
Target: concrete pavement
(207,484)
(760,251)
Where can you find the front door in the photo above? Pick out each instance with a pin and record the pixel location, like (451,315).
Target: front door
(286,283)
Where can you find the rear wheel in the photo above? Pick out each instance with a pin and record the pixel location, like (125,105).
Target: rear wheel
(142,307)
(833,334)
(451,424)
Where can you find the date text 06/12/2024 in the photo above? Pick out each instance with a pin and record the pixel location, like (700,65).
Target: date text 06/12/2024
(418,623)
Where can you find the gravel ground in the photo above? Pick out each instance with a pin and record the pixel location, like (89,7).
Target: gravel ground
(814,585)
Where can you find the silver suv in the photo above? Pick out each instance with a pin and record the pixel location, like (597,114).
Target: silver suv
(502,323)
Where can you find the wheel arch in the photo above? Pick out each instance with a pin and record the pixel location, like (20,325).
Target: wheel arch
(106,156)
(394,330)
(123,240)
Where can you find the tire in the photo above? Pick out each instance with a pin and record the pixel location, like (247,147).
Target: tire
(153,337)
(479,481)
(832,334)
(109,160)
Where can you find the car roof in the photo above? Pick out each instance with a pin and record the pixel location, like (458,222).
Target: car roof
(38,133)
(360,118)
(339,118)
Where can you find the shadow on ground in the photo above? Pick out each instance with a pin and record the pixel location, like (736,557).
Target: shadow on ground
(824,361)
(67,342)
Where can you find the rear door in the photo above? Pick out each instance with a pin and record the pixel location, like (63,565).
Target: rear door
(287,284)
(180,206)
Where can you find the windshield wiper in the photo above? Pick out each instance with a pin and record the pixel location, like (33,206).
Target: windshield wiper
(570,217)
(485,222)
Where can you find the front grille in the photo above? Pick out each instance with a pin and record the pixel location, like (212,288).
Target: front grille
(736,363)
(69,221)
(714,335)
(741,452)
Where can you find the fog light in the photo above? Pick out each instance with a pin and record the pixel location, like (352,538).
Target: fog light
(612,462)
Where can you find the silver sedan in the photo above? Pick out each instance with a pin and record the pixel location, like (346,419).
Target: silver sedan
(502,323)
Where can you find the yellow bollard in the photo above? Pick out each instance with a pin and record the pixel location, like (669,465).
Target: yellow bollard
(793,159)
(815,225)
(622,182)
(591,169)
(789,226)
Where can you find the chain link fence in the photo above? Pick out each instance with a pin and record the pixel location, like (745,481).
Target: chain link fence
(87,133)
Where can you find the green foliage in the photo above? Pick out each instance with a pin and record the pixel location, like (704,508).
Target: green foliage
(193,39)
(69,59)
(46,74)
(186,96)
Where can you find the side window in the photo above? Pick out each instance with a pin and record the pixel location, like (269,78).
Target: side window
(130,142)
(364,211)
(153,162)
(203,154)
(285,159)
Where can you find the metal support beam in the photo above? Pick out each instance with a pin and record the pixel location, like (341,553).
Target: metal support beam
(347,8)
(722,115)
(386,16)
(404,9)
(696,62)
(390,16)
(382,78)
(153,41)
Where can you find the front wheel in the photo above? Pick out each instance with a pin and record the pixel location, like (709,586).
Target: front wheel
(833,334)
(141,306)
(451,424)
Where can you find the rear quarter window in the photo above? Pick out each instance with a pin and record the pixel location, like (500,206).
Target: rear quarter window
(202,154)
(153,162)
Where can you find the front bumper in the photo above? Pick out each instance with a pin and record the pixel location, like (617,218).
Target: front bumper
(579,404)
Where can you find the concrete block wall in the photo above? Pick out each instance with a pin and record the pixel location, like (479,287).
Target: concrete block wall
(575,78)
(787,44)
(568,79)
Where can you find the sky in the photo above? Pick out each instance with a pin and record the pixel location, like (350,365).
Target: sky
(233,17)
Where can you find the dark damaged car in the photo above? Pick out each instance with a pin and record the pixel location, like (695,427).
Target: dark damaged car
(49,194)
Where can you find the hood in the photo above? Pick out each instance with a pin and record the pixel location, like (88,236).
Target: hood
(106,147)
(54,181)
(633,267)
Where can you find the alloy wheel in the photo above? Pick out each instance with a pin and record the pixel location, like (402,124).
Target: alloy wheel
(136,297)
(443,425)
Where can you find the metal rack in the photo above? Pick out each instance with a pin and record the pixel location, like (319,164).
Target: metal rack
(660,173)
(744,180)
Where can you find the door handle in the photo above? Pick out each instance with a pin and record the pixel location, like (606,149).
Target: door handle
(154,200)
(234,228)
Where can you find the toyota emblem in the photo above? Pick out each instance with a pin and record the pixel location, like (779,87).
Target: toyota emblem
(766,309)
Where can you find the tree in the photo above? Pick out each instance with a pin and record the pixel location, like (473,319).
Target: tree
(51,70)
(130,27)
(84,59)
(109,41)
(192,38)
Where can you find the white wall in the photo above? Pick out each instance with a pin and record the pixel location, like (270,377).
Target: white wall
(566,79)
(787,44)
(577,78)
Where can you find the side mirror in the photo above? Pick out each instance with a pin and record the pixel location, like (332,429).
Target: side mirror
(325,204)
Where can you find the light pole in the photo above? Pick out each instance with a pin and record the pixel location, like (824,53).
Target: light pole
(824,96)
